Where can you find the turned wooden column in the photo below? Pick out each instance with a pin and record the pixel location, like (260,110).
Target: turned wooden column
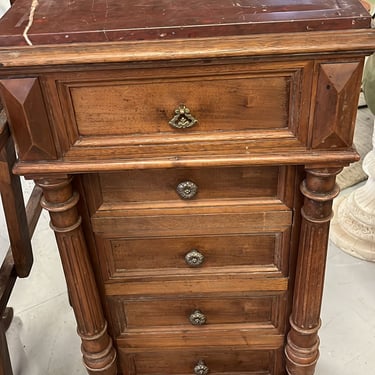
(302,348)
(60,200)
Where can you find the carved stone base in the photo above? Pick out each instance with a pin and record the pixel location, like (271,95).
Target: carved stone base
(353,226)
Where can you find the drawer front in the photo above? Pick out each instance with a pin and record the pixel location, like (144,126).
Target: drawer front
(252,239)
(221,103)
(184,185)
(230,108)
(190,255)
(188,312)
(189,362)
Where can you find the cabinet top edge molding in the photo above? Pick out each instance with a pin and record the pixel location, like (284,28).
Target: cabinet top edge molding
(335,158)
(46,22)
(274,46)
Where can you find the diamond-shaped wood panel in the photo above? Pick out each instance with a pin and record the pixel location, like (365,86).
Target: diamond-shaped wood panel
(337,91)
(28,118)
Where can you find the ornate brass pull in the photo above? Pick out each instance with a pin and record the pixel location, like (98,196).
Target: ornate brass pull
(194,258)
(197,318)
(187,189)
(182,118)
(201,368)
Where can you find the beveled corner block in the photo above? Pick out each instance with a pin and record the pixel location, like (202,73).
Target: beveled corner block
(334,117)
(28,118)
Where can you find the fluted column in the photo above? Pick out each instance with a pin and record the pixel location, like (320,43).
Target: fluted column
(302,348)
(60,200)
(353,228)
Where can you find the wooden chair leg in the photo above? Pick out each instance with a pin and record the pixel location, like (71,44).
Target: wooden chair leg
(7,318)
(5,365)
(21,223)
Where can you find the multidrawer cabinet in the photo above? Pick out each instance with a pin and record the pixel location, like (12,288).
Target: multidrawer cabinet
(188,157)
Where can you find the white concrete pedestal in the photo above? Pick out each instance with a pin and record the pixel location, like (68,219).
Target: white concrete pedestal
(353,226)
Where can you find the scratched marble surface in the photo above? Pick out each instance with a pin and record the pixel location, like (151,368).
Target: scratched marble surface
(40,22)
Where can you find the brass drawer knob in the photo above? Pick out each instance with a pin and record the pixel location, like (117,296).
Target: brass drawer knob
(197,318)
(194,258)
(201,368)
(183,118)
(187,189)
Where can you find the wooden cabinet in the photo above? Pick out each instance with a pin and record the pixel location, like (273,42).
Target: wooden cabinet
(188,154)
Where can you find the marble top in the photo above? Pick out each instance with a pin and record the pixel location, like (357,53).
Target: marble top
(46,22)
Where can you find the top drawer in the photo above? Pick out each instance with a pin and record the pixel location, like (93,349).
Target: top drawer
(183,110)
(203,104)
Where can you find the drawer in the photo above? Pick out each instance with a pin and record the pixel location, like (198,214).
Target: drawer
(202,361)
(123,257)
(231,108)
(220,101)
(184,185)
(202,312)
